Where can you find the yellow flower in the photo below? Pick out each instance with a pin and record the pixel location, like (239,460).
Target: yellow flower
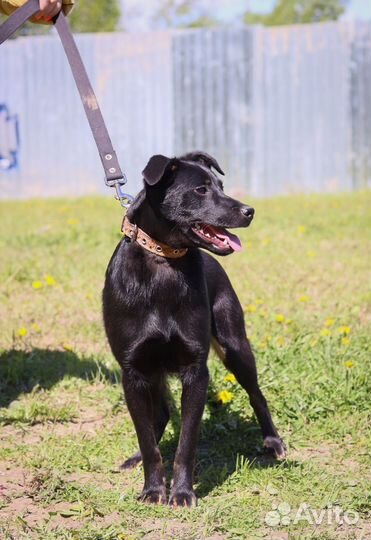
(259,301)
(67,347)
(304,298)
(37,284)
(329,322)
(22,332)
(280,341)
(265,241)
(262,345)
(35,327)
(280,318)
(50,280)
(311,254)
(288,321)
(224,396)
(345,341)
(230,378)
(251,308)
(72,221)
(344,330)
(301,229)
(325,332)
(349,364)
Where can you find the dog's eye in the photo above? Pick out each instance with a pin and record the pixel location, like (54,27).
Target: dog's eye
(202,190)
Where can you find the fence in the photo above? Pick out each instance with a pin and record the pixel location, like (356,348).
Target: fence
(283,109)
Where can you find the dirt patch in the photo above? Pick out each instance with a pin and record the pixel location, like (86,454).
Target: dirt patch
(88,424)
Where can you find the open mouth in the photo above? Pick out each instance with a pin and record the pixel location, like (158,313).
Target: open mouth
(217,236)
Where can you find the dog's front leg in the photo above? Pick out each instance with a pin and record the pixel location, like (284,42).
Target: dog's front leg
(140,404)
(194,381)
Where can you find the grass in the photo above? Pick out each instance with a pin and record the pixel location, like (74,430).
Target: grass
(304,282)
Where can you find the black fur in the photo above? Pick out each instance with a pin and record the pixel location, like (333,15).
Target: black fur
(160,315)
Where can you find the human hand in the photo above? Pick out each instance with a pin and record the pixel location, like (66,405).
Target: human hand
(48,9)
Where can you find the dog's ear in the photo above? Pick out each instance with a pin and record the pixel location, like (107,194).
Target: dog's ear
(205,159)
(156,168)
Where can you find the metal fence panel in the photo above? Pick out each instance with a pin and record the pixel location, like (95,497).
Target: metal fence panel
(283,109)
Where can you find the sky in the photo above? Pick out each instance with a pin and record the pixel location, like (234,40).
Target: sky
(137,14)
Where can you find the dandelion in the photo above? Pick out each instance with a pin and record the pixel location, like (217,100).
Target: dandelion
(35,328)
(251,308)
(304,298)
(230,378)
(280,318)
(349,364)
(22,332)
(72,221)
(265,241)
(345,341)
(325,332)
(262,345)
(224,396)
(311,254)
(280,341)
(345,330)
(329,322)
(37,285)
(301,229)
(67,347)
(288,321)
(50,280)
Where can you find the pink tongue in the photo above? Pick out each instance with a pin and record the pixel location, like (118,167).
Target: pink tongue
(232,239)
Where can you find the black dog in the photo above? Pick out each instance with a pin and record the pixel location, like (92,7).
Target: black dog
(162,303)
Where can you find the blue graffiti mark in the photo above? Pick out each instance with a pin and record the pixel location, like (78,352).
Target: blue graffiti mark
(9,139)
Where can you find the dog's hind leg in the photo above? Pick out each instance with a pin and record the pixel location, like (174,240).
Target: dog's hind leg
(229,331)
(161,416)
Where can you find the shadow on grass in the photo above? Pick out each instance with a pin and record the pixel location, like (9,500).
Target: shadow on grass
(23,372)
(225,434)
(227,439)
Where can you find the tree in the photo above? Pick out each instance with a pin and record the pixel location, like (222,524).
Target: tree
(183,14)
(299,11)
(95,16)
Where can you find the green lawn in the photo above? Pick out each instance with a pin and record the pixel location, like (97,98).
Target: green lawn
(304,281)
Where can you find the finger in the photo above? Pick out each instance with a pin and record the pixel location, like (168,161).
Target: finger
(49,8)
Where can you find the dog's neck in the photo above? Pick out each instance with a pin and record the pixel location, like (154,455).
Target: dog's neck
(151,222)
(150,230)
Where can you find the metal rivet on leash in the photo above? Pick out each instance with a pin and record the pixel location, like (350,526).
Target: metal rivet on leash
(108,156)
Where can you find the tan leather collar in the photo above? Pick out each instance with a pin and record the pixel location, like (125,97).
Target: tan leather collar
(137,235)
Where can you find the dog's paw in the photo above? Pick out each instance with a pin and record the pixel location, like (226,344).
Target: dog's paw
(275,446)
(132,462)
(183,498)
(153,495)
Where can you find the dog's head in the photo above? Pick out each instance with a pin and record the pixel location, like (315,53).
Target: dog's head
(188,194)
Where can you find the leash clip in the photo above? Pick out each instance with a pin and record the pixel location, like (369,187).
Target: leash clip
(125,199)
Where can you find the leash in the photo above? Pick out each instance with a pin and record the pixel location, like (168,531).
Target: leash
(113,176)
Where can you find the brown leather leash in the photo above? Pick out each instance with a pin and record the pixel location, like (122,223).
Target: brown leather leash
(114,177)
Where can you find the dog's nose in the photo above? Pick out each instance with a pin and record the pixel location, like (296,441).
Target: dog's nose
(248,212)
